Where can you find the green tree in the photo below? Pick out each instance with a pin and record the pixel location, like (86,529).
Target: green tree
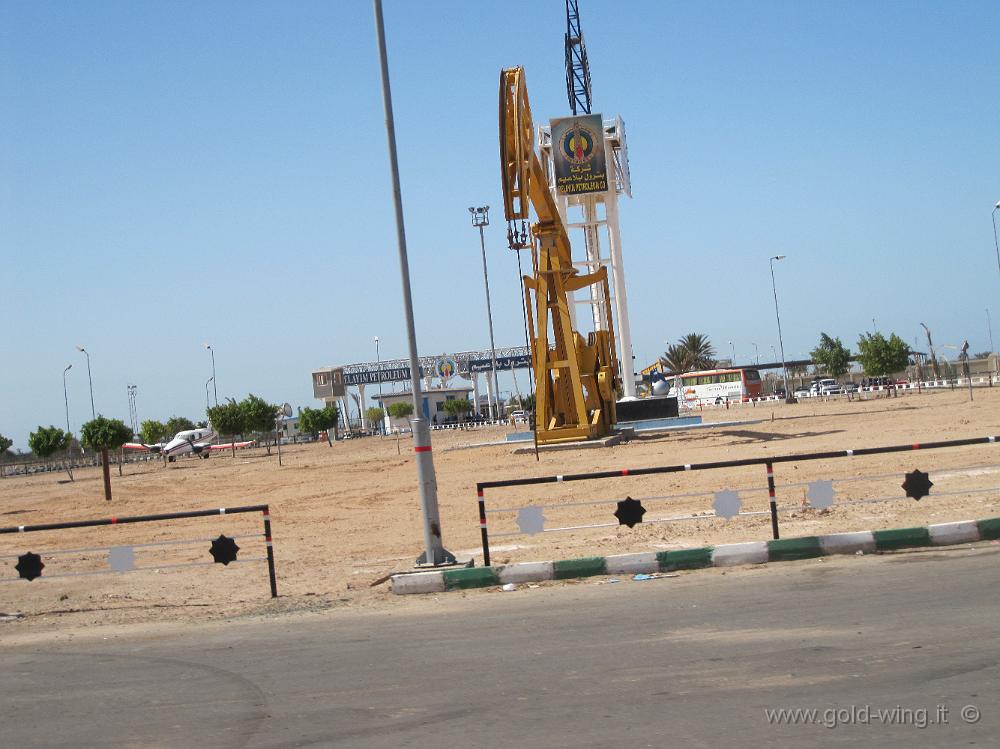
(401,410)
(105,434)
(228,418)
(692,352)
(831,356)
(46,442)
(5,443)
(177,424)
(457,407)
(880,356)
(151,432)
(375,416)
(259,416)
(316,420)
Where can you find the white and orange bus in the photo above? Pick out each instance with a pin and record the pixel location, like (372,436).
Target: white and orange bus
(718,386)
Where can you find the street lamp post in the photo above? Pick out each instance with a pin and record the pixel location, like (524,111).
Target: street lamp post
(434,551)
(732,350)
(133,414)
(480,220)
(93,411)
(781,344)
(208,382)
(756,353)
(66,395)
(381,403)
(996,243)
(215,387)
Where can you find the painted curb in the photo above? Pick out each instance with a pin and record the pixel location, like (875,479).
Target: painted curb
(730,555)
(631,564)
(418,582)
(963,532)
(564,569)
(726,555)
(848,543)
(526,572)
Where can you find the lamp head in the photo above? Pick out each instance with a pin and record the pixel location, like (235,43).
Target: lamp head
(997,205)
(81,348)
(68,368)
(208,347)
(778,257)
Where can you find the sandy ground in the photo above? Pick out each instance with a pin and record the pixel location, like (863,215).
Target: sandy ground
(346,516)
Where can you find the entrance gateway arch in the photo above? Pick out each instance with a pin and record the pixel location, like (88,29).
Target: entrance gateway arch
(332,384)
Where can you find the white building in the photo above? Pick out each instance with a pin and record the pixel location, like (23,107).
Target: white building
(433,402)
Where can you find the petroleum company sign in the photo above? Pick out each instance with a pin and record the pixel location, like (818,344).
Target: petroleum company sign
(578,154)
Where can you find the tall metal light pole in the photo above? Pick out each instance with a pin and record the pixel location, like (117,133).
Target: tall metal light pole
(756,353)
(434,551)
(989,328)
(215,386)
(133,415)
(381,403)
(66,395)
(208,382)
(996,243)
(781,344)
(481,219)
(93,411)
(732,350)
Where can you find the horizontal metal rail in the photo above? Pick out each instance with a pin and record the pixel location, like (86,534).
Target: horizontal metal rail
(733,463)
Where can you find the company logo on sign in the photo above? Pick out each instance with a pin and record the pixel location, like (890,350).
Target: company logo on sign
(578,144)
(446,368)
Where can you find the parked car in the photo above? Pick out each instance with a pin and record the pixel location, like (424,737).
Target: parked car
(802,392)
(519,417)
(831,387)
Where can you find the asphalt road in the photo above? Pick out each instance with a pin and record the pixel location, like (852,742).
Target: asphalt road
(693,661)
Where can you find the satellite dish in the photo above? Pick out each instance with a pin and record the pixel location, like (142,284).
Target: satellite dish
(285,410)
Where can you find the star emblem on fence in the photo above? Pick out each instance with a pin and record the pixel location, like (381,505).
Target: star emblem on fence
(820,494)
(531,520)
(29,566)
(630,512)
(224,550)
(121,558)
(727,504)
(917,484)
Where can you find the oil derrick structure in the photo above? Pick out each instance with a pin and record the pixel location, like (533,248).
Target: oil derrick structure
(594,213)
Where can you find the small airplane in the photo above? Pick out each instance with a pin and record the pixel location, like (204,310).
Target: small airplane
(197,441)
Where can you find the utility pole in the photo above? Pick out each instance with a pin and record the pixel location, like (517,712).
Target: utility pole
(481,219)
(434,552)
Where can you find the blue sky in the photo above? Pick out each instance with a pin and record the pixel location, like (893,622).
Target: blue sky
(178,173)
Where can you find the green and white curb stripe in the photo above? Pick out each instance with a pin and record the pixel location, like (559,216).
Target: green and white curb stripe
(724,555)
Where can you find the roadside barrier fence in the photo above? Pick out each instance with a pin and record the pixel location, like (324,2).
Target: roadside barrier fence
(122,558)
(530,519)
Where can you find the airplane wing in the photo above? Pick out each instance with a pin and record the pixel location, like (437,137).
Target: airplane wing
(231,445)
(141,446)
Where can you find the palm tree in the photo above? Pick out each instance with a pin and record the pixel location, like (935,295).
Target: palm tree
(692,352)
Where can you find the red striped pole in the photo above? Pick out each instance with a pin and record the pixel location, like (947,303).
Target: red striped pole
(774,505)
(266,512)
(482,527)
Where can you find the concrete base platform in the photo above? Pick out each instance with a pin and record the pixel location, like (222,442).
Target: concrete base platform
(609,441)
